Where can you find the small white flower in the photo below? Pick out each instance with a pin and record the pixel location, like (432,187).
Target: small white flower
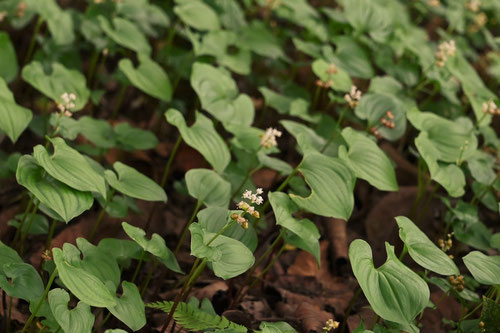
(353,97)
(259,191)
(445,49)
(474,5)
(3,15)
(268,139)
(490,108)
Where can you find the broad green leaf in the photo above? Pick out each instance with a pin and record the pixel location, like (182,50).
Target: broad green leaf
(305,233)
(121,249)
(214,218)
(115,331)
(9,67)
(148,77)
(126,34)
(352,58)
(331,183)
(8,256)
(147,16)
(368,161)
(276,327)
(423,250)
(309,139)
(369,16)
(13,118)
(277,101)
(59,21)
(274,163)
(132,138)
(490,316)
(219,95)
(485,269)
(24,281)
(394,291)
(208,187)
(198,15)
(70,167)
(35,224)
(98,131)
(340,80)
(156,246)
(130,308)
(481,166)
(257,38)
(203,137)
(229,257)
(374,106)
(65,201)
(78,320)
(57,82)
(134,184)
(85,286)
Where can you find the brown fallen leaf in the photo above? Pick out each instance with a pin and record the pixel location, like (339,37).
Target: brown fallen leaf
(312,318)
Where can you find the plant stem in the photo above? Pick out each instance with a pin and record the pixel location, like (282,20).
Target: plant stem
(280,188)
(100,217)
(31,47)
(48,242)
(47,288)
(101,324)
(118,105)
(150,275)
(349,308)
(21,223)
(93,65)
(186,226)
(30,222)
(138,267)
(248,175)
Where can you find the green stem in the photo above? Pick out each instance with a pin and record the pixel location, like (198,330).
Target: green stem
(248,175)
(101,324)
(280,188)
(25,214)
(93,65)
(349,309)
(118,105)
(186,226)
(150,275)
(31,47)
(100,217)
(48,242)
(403,253)
(30,222)
(47,288)
(138,267)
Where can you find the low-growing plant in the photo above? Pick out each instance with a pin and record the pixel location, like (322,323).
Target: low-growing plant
(96,94)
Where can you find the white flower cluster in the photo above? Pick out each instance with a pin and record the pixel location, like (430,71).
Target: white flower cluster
(474,5)
(268,139)
(68,103)
(434,3)
(445,49)
(330,324)
(491,108)
(353,97)
(254,198)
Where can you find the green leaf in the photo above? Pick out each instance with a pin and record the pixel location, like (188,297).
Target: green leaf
(198,15)
(208,187)
(369,16)
(78,320)
(98,131)
(304,229)
(84,285)
(13,118)
(423,250)
(132,138)
(214,218)
(229,257)
(257,38)
(331,183)
(490,315)
(59,81)
(374,106)
(276,327)
(340,80)
(38,224)
(156,246)
(126,34)
(394,291)
(62,199)
(192,318)
(134,184)
(121,249)
(59,22)
(25,283)
(70,167)
(219,95)
(148,77)
(9,66)
(485,269)
(8,256)
(130,308)
(368,161)
(203,137)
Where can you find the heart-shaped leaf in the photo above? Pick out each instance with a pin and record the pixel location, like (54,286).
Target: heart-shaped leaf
(126,34)
(338,78)
(130,308)
(423,250)
(8,256)
(25,282)
(85,286)
(78,320)
(156,246)
(65,201)
(331,183)
(229,257)
(13,118)
(197,15)
(133,138)
(304,229)
(203,137)
(368,161)
(208,187)
(394,291)
(10,67)
(134,184)
(148,77)
(70,167)
(98,131)
(485,269)
(59,81)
